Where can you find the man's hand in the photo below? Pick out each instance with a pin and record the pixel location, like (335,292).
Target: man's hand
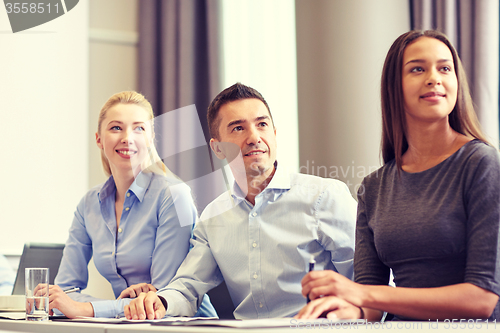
(146,303)
(134,290)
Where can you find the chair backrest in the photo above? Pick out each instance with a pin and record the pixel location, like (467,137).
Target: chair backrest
(46,255)
(222,302)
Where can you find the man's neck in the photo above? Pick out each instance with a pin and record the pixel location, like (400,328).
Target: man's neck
(256,184)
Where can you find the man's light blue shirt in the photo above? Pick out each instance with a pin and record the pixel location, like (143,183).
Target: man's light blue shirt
(147,247)
(262,251)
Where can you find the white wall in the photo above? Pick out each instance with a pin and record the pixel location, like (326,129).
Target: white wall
(260,51)
(44,94)
(113,38)
(341,47)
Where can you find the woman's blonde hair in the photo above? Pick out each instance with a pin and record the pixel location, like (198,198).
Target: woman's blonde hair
(153,163)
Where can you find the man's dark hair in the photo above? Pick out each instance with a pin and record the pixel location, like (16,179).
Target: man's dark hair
(235,92)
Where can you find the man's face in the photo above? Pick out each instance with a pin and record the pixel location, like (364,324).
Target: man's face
(247,124)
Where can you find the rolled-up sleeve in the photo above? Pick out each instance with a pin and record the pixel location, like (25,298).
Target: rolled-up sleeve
(197,275)
(336,218)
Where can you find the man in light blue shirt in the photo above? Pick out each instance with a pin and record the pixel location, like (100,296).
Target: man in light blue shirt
(259,236)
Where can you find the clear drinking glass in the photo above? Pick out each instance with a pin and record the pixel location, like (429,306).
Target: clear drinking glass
(37,293)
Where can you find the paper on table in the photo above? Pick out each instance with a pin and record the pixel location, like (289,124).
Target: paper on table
(13,315)
(124,320)
(102,320)
(245,323)
(215,322)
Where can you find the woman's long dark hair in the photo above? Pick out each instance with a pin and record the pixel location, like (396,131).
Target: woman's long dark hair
(462,118)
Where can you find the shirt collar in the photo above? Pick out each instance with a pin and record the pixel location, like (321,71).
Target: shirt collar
(141,184)
(280,181)
(107,189)
(138,187)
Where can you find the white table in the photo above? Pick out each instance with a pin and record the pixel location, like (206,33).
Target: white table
(50,327)
(75,327)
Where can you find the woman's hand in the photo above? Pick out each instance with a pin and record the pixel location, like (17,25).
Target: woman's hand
(58,299)
(333,307)
(329,283)
(134,290)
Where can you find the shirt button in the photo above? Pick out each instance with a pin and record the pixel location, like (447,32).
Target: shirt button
(260,305)
(113,253)
(254,244)
(255,276)
(120,230)
(128,195)
(127,208)
(254,214)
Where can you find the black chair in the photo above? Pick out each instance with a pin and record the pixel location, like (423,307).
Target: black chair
(38,255)
(219,296)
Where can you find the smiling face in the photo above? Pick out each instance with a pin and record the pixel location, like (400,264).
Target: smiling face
(247,124)
(429,81)
(125,135)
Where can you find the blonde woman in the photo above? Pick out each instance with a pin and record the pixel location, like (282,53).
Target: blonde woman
(129,224)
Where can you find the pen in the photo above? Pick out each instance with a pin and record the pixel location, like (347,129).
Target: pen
(311,268)
(71,290)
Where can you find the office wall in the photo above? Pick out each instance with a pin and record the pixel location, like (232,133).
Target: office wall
(113,38)
(44,94)
(260,51)
(341,47)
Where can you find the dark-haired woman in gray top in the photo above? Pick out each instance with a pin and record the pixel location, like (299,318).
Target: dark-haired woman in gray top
(432,212)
